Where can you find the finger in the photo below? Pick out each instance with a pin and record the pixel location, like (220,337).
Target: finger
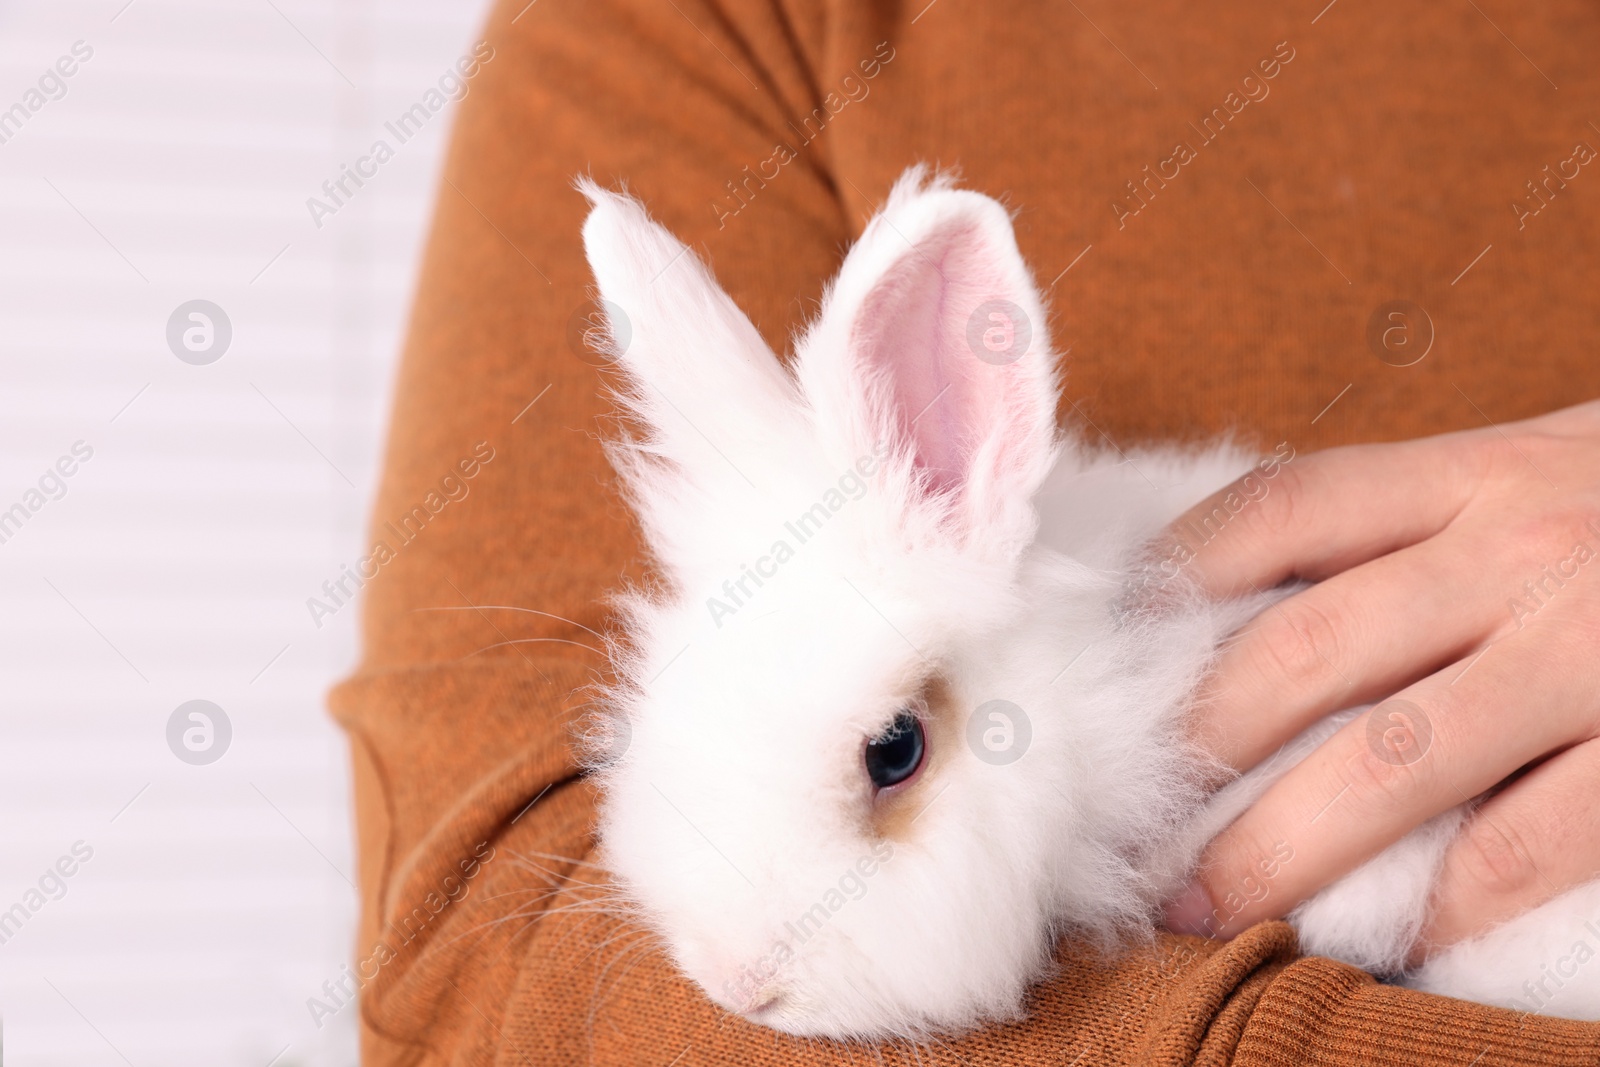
(1355,795)
(1316,515)
(1533,841)
(1349,640)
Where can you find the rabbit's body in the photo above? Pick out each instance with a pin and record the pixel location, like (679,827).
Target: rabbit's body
(895,540)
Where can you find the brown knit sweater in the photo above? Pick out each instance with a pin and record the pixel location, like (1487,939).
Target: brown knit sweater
(1222,201)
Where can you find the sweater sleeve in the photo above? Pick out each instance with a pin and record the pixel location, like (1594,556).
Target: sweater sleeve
(488,935)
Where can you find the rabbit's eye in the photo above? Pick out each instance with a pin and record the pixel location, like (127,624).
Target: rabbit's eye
(894,755)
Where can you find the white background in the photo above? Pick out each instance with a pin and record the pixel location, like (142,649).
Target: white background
(218,499)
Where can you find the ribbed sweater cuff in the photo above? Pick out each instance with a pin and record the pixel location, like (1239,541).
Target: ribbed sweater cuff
(1313,1014)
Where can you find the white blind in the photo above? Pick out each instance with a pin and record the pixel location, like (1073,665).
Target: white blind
(174,164)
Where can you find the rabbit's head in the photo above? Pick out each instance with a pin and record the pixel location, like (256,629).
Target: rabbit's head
(831,804)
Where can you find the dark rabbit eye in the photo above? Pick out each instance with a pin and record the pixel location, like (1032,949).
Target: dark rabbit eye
(894,755)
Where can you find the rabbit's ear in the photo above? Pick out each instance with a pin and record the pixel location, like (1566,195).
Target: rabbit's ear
(934,339)
(712,399)
(708,379)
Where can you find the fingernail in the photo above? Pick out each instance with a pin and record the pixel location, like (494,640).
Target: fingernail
(1189,912)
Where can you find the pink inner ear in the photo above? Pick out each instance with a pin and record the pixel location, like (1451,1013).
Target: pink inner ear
(912,336)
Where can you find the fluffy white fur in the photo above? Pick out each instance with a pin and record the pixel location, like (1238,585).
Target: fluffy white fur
(985,546)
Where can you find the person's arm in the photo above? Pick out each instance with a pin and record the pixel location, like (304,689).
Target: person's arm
(487,934)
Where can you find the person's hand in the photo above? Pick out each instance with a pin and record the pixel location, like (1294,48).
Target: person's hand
(1459,584)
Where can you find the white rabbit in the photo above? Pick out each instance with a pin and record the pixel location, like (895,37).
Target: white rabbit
(907,703)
